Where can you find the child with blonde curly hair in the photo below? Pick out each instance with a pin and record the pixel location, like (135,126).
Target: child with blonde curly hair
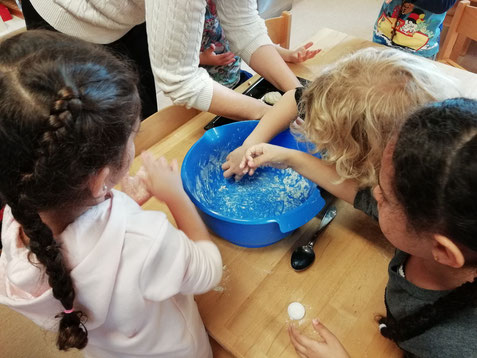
(350,111)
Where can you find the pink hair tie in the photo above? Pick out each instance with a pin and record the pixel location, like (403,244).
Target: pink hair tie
(69,311)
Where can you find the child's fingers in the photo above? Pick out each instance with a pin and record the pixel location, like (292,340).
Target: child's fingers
(163,162)
(225,58)
(228,173)
(257,161)
(174,165)
(300,349)
(308,45)
(238,177)
(147,160)
(324,332)
(209,51)
(225,166)
(141,173)
(253,152)
(302,339)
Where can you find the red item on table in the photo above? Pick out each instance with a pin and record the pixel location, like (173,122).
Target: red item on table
(4,13)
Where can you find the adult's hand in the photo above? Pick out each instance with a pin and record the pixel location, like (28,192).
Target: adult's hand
(301,54)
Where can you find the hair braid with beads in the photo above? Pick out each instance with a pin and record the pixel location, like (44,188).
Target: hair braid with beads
(67,110)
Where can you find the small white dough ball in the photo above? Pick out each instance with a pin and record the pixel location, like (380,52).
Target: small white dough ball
(296,311)
(272,97)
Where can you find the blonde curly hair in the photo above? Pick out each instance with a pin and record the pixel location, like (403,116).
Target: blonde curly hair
(354,107)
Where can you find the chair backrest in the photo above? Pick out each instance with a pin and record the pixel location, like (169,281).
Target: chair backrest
(464,23)
(279,29)
(161,124)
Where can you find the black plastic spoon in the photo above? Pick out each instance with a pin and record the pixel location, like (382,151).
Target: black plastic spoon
(303,256)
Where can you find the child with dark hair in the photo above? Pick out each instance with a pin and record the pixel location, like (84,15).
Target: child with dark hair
(412,25)
(426,200)
(78,256)
(222,64)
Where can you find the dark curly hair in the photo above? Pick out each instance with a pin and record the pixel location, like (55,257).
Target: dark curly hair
(67,108)
(435,180)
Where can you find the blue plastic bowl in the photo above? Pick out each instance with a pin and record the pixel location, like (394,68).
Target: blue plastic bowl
(258,210)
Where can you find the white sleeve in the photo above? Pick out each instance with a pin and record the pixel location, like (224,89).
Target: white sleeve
(243,27)
(174,34)
(175,264)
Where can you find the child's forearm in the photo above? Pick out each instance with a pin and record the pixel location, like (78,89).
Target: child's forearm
(277,119)
(324,175)
(187,218)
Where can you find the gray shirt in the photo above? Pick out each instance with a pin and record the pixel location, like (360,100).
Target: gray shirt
(455,336)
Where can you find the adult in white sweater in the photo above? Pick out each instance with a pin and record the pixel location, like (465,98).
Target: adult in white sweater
(174,33)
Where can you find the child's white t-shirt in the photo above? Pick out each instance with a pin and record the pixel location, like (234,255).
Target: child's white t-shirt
(134,274)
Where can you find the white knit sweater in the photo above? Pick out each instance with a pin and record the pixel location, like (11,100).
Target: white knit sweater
(174,29)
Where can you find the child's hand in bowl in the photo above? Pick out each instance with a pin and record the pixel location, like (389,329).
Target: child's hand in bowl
(163,179)
(233,161)
(135,187)
(265,155)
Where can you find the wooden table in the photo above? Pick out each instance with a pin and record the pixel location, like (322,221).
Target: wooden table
(247,313)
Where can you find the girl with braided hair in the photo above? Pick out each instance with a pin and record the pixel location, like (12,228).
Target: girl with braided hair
(78,256)
(426,199)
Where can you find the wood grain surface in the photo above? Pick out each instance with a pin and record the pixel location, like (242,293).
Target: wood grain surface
(247,313)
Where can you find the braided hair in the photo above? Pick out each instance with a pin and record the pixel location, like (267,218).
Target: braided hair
(67,108)
(436,168)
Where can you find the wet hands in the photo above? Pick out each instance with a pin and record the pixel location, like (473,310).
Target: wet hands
(209,58)
(134,186)
(232,165)
(306,347)
(244,161)
(264,155)
(163,178)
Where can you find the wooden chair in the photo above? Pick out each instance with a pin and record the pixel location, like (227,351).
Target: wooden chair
(161,124)
(279,29)
(463,27)
(462,43)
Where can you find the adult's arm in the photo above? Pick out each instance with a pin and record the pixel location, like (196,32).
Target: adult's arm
(174,36)
(247,34)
